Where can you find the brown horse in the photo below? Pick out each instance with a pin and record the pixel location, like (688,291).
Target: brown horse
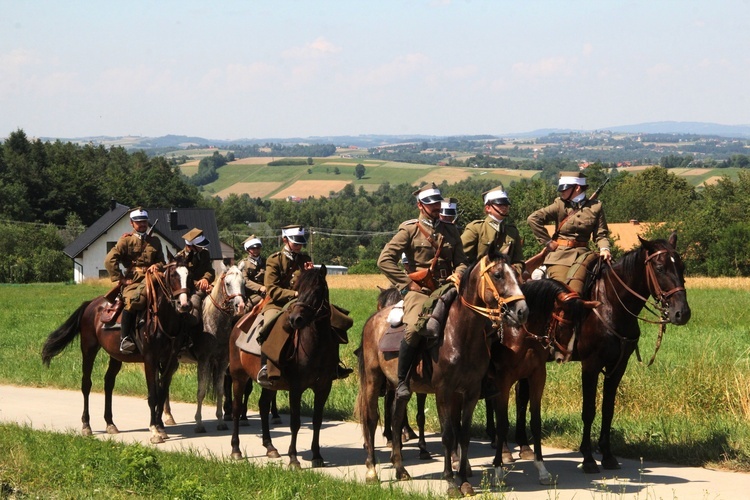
(489,297)
(158,341)
(309,362)
(522,354)
(610,334)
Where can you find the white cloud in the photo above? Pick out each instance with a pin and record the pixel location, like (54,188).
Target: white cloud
(320,47)
(544,68)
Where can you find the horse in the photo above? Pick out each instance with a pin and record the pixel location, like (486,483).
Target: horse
(522,354)
(210,350)
(158,340)
(489,297)
(609,335)
(308,362)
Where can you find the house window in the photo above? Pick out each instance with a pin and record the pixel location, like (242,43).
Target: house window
(103,274)
(111,245)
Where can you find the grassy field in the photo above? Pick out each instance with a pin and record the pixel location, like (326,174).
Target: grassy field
(691,407)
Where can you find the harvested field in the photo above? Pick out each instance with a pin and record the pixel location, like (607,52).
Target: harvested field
(304,189)
(711,180)
(727,283)
(521,174)
(696,171)
(192,163)
(256,160)
(357,281)
(253,189)
(451,175)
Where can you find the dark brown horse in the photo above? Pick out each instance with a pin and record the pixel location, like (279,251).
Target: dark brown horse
(522,354)
(309,362)
(158,341)
(610,333)
(489,297)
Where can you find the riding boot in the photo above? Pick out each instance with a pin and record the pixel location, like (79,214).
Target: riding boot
(439,314)
(127,328)
(406,355)
(342,371)
(262,377)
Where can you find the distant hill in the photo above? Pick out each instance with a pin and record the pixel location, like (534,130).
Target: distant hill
(374,140)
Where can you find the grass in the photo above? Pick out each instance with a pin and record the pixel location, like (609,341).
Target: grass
(692,407)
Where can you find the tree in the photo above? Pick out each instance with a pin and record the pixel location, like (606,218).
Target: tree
(336,170)
(359,171)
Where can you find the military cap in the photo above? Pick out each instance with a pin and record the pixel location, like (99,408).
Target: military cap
(252,242)
(428,194)
(295,234)
(496,196)
(569,179)
(195,237)
(448,207)
(138,214)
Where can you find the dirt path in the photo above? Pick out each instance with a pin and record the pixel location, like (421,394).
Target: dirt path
(342,449)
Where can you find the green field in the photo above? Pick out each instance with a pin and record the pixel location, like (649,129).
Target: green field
(691,407)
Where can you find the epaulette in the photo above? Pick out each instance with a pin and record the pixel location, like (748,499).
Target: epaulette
(275,254)
(409,222)
(126,234)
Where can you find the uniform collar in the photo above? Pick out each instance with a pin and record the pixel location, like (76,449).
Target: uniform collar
(289,254)
(429,222)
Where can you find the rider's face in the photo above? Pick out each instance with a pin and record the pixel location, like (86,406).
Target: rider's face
(139,225)
(431,210)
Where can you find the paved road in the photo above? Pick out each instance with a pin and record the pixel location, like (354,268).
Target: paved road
(342,449)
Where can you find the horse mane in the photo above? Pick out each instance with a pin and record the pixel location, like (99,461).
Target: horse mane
(388,297)
(541,294)
(492,255)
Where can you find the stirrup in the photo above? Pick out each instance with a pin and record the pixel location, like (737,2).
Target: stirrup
(262,378)
(342,371)
(127,346)
(403,391)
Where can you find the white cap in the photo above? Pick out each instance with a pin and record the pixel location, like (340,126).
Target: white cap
(138,214)
(252,242)
(295,234)
(495,195)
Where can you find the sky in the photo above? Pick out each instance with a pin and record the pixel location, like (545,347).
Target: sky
(280,68)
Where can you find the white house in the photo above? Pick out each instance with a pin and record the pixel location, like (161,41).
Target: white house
(90,248)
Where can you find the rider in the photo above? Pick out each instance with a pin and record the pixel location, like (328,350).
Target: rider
(253,269)
(449,211)
(200,269)
(139,253)
(429,245)
(577,219)
(495,227)
(282,269)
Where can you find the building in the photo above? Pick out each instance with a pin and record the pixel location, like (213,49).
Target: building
(90,248)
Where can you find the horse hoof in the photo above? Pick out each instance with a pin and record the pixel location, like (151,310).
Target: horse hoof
(200,429)
(294,466)
(425,455)
(170,421)
(610,463)
(546,480)
(508,457)
(403,476)
(467,490)
(372,477)
(276,420)
(453,491)
(112,429)
(526,453)
(317,463)
(272,454)
(222,427)
(237,456)
(590,467)
(86,431)
(163,434)
(157,440)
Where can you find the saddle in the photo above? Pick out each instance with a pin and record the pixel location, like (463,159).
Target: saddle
(110,313)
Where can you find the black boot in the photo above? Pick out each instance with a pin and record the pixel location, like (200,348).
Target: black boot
(127,329)
(262,377)
(406,355)
(342,371)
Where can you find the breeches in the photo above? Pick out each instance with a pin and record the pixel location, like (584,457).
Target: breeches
(413,305)
(134,296)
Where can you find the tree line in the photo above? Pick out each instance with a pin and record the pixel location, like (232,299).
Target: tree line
(49,193)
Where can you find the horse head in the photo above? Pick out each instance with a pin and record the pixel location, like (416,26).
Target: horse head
(496,286)
(312,298)
(176,277)
(666,281)
(229,296)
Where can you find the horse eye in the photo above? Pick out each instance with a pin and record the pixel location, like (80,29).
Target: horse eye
(660,268)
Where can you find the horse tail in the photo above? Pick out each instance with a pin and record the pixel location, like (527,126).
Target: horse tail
(64,335)
(358,405)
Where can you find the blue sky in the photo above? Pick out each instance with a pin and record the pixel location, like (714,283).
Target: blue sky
(279,68)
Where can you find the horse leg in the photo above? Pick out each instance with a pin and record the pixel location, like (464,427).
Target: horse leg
(536,383)
(522,402)
(239,380)
(500,404)
(464,471)
(275,417)
(203,376)
(448,415)
(321,396)
(295,404)
(227,395)
(609,393)
(217,379)
(264,404)
(367,406)
(423,453)
(167,412)
(589,381)
(109,385)
(388,404)
(490,428)
(151,373)
(244,398)
(397,423)
(89,355)
(164,381)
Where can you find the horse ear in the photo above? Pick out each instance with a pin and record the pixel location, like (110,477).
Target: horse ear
(323,270)
(170,256)
(673,239)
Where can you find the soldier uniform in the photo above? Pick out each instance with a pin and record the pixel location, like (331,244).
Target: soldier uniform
(577,220)
(480,234)
(417,239)
(200,267)
(136,252)
(253,271)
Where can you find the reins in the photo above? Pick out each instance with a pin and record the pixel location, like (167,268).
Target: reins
(225,305)
(557,318)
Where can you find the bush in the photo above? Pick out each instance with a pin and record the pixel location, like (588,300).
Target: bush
(365,266)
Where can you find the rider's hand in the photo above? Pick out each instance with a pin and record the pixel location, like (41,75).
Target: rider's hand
(309,265)
(551,245)
(605,254)
(413,287)
(153,268)
(455,279)
(203,285)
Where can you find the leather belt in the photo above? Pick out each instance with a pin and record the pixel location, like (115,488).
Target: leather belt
(571,243)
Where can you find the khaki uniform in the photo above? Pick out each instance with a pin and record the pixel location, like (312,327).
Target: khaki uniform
(588,223)
(479,235)
(254,272)
(282,268)
(410,240)
(199,267)
(136,255)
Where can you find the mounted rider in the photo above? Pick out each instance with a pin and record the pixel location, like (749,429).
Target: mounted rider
(253,268)
(139,253)
(577,220)
(201,272)
(435,251)
(282,270)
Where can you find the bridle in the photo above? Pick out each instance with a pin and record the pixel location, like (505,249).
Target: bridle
(549,339)
(494,314)
(225,305)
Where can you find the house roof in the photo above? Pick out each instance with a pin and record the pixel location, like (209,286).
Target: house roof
(169,224)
